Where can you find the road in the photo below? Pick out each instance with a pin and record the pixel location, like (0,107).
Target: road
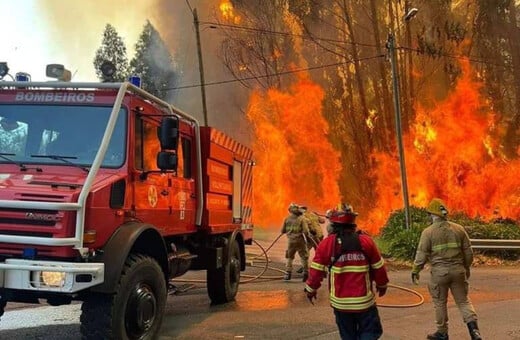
(274,309)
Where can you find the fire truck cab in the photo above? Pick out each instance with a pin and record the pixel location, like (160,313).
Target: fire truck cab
(107,193)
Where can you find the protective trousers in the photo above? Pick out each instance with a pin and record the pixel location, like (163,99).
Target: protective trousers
(359,326)
(450,278)
(297,245)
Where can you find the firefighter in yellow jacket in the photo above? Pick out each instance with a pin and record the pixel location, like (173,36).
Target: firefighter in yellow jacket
(447,246)
(297,231)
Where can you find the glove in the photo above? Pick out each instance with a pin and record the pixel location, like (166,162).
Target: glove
(310,295)
(381,290)
(468,273)
(415,278)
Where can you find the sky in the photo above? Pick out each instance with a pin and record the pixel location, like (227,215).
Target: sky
(68,32)
(42,32)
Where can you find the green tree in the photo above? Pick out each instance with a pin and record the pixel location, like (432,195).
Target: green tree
(154,64)
(112,49)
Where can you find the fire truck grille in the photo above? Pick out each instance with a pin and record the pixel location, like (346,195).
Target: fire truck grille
(36,217)
(20,221)
(24,233)
(38,197)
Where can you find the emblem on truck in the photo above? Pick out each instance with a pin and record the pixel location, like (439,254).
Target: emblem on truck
(42,217)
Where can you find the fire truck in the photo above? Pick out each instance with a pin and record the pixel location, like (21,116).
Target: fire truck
(106,194)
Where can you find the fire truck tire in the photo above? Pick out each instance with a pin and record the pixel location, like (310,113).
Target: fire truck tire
(223,282)
(3,303)
(135,311)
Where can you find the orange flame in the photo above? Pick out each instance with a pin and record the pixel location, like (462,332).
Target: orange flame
(228,12)
(295,161)
(451,153)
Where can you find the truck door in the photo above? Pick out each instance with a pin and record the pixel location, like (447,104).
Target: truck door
(152,189)
(184,199)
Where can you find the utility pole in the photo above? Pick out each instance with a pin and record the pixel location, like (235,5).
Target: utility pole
(201,68)
(398,128)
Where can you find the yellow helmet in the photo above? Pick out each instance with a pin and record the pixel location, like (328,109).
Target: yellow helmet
(437,207)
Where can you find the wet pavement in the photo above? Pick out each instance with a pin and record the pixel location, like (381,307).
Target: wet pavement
(269,308)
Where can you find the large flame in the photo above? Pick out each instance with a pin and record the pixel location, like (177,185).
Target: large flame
(451,153)
(295,161)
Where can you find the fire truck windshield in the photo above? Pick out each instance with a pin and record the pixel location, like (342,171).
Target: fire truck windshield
(72,132)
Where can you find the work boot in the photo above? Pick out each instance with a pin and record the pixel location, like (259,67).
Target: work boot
(305,276)
(300,270)
(287,276)
(438,336)
(473,331)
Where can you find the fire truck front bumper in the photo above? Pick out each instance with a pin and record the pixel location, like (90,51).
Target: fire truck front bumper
(50,276)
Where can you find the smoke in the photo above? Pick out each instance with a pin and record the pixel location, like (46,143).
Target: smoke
(225,101)
(73,30)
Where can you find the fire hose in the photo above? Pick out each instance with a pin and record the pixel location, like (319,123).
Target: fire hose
(265,267)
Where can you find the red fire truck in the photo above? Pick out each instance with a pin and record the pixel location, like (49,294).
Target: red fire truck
(107,193)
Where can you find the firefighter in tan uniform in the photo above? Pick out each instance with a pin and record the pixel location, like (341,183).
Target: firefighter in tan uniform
(446,245)
(315,233)
(297,231)
(314,223)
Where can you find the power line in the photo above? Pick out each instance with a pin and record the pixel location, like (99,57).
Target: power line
(266,31)
(456,56)
(275,74)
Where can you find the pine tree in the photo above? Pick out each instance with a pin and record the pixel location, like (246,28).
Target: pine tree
(154,64)
(112,49)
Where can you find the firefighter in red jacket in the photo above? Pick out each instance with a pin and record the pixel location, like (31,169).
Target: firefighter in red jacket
(353,262)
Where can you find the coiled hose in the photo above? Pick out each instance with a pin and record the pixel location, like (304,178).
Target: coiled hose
(266,267)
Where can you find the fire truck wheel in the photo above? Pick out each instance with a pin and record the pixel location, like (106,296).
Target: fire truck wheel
(223,282)
(135,311)
(3,303)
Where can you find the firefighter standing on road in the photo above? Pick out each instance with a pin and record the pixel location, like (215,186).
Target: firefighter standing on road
(447,246)
(353,262)
(315,232)
(313,222)
(297,232)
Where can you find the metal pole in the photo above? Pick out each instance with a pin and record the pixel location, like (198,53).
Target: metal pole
(398,129)
(201,68)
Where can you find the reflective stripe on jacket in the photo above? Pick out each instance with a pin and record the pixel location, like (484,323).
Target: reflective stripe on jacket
(351,275)
(444,243)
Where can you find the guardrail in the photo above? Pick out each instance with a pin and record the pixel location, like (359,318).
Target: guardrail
(494,244)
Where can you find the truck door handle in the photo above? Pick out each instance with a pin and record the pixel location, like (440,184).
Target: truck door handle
(165,192)
(192,195)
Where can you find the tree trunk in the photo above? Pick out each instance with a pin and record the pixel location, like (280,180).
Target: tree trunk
(386,106)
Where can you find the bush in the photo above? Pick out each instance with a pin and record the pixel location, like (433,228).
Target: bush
(401,243)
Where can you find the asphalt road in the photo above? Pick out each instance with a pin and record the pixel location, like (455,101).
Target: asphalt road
(273,309)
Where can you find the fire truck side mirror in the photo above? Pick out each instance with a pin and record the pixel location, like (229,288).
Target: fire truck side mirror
(168,133)
(167,160)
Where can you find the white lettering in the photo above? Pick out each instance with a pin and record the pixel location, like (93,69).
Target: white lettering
(69,97)
(351,257)
(39,97)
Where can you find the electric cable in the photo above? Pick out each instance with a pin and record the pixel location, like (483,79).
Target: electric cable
(276,73)
(261,276)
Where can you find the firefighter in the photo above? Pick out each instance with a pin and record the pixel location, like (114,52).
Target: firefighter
(314,223)
(447,246)
(297,230)
(316,234)
(353,262)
